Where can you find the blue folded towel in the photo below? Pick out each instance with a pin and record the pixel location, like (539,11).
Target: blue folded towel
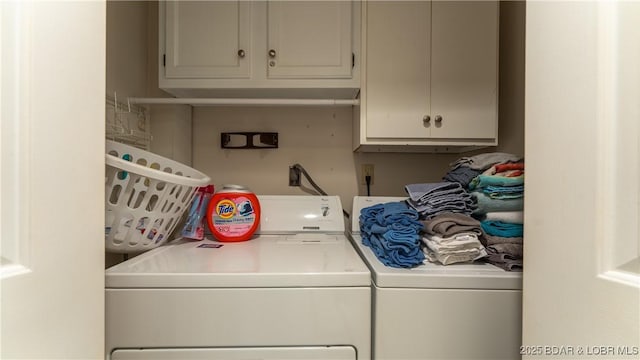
(392,230)
(390,253)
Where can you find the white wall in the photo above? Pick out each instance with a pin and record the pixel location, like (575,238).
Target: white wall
(511,85)
(126,48)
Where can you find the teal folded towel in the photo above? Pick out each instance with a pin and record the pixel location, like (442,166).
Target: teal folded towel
(482,181)
(503,229)
(486,204)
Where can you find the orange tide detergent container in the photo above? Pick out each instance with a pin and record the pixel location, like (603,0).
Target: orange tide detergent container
(233,213)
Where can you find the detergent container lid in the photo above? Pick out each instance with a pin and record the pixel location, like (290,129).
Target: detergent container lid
(233,213)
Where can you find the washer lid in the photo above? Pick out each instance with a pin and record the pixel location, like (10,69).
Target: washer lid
(428,276)
(435,276)
(297,260)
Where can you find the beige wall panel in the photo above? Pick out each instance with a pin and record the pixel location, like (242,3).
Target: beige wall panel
(318,138)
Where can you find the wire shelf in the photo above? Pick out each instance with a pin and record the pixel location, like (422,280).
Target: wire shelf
(127,123)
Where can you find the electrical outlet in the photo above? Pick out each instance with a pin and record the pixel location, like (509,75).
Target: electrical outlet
(367,170)
(294,176)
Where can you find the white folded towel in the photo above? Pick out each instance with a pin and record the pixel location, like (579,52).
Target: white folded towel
(462,247)
(511,217)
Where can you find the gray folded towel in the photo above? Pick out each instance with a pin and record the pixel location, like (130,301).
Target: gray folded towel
(505,261)
(449,223)
(492,240)
(514,250)
(420,193)
(485,161)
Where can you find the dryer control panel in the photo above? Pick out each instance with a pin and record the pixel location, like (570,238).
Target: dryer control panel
(288,214)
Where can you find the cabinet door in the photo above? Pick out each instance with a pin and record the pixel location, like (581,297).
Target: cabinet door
(464,63)
(208,39)
(397,69)
(309,39)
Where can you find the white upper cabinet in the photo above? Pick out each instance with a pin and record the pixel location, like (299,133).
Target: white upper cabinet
(464,69)
(397,68)
(430,75)
(226,27)
(310,39)
(208,39)
(260,48)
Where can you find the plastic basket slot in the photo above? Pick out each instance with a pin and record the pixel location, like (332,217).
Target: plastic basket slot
(169,227)
(152,232)
(142,162)
(178,192)
(187,196)
(139,199)
(166,207)
(153,201)
(115,194)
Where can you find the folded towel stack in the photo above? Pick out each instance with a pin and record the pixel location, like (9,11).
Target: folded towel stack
(499,195)
(392,231)
(484,161)
(452,238)
(461,175)
(465,169)
(431,199)
(504,252)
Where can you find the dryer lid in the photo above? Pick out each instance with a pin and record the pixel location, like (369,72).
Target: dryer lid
(296,260)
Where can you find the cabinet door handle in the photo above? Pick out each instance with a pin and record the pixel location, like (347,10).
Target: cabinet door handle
(426,119)
(272,53)
(241,53)
(438,118)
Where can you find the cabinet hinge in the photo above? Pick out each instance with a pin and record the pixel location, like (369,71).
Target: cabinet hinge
(353,60)
(164,60)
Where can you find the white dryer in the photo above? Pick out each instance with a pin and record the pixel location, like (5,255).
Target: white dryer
(298,290)
(459,311)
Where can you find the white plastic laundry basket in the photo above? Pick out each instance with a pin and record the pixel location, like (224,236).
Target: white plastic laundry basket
(145,196)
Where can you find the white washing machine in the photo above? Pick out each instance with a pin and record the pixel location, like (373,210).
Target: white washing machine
(459,311)
(298,290)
